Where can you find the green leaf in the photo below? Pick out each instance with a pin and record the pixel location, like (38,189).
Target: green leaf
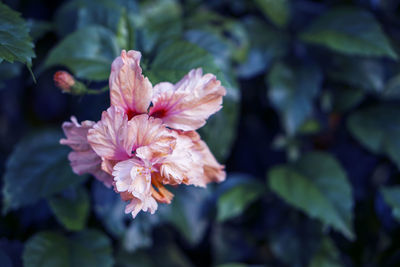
(187,212)
(235,200)
(345,99)
(15,42)
(266,45)
(278,11)
(158,21)
(37,168)
(317,185)
(88,53)
(350,31)
(392,197)
(291,92)
(87,248)
(71,209)
(364,74)
(378,129)
(173,62)
(327,255)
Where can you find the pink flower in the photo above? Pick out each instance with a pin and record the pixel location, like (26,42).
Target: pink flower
(147,138)
(64,81)
(83,159)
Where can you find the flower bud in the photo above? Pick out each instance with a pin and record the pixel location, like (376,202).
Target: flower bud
(64,81)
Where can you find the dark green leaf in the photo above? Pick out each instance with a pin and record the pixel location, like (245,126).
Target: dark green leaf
(317,185)
(351,31)
(378,129)
(364,74)
(291,92)
(71,209)
(87,248)
(158,21)
(278,11)
(15,42)
(88,53)
(327,255)
(37,168)
(266,45)
(187,212)
(392,197)
(235,200)
(345,99)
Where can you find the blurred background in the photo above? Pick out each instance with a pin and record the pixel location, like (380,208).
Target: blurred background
(309,132)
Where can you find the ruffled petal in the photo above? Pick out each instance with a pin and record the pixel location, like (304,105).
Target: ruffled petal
(111,138)
(129,90)
(83,159)
(213,171)
(187,104)
(152,140)
(184,165)
(132,176)
(136,205)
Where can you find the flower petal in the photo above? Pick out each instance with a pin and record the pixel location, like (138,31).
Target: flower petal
(184,165)
(83,159)
(110,138)
(187,104)
(133,176)
(136,205)
(129,90)
(152,140)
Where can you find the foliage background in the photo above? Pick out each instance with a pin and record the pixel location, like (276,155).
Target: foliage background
(309,133)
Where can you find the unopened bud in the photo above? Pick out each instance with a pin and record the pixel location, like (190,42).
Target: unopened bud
(64,81)
(67,83)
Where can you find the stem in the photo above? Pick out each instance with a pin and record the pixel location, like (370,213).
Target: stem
(97,92)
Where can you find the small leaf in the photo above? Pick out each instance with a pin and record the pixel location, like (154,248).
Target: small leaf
(87,248)
(291,92)
(392,197)
(278,11)
(88,53)
(327,255)
(350,31)
(378,129)
(235,200)
(317,185)
(37,168)
(15,42)
(71,209)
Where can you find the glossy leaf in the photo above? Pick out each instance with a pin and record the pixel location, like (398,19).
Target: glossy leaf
(350,31)
(235,200)
(378,129)
(72,208)
(15,42)
(291,92)
(37,168)
(317,185)
(278,11)
(87,248)
(88,53)
(327,255)
(392,197)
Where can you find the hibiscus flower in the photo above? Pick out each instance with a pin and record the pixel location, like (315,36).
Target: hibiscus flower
(147,138)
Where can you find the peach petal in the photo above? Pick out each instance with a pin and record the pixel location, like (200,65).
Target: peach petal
(129,89)
(187,104)
(83,159)
(111,138)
